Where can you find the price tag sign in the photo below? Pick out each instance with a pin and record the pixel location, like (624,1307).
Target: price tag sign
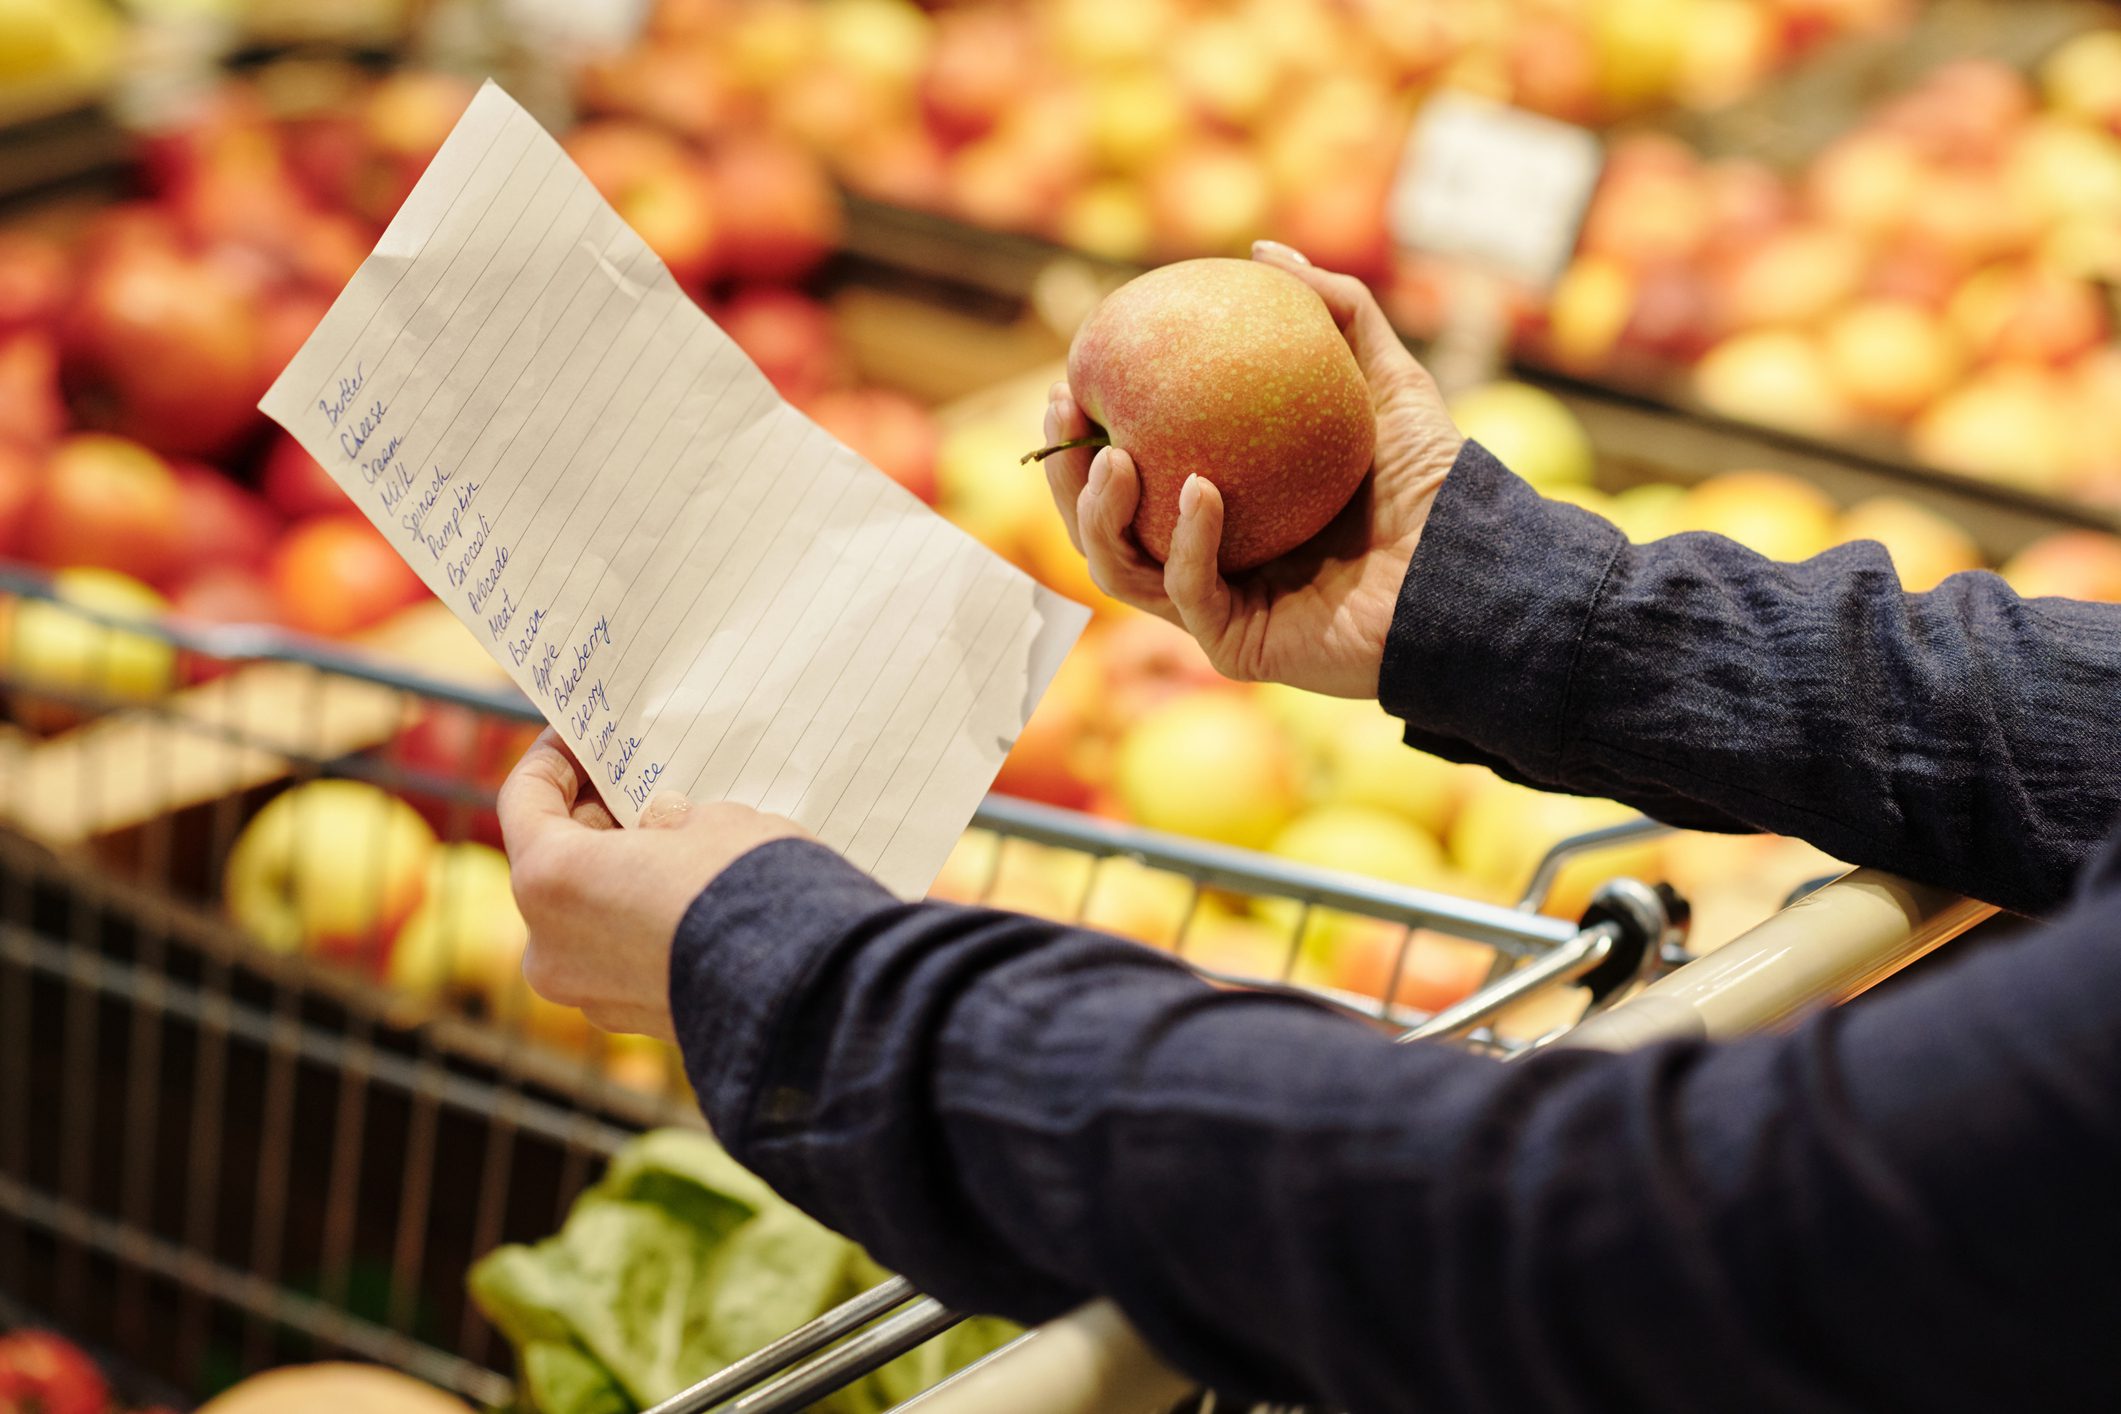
(1495,188)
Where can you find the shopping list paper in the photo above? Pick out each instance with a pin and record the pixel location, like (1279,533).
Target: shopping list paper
(698,587)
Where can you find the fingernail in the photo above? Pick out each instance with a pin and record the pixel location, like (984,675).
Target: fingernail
(665,807)
(1100,471)
(1189,496)
(1276,250)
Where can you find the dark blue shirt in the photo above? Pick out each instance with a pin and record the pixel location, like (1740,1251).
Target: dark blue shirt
(1912,1203)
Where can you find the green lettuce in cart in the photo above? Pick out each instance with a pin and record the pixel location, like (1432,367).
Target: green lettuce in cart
(676,1264)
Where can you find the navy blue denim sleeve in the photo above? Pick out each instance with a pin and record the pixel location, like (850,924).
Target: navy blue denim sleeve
(1906,1204)
(1962,736)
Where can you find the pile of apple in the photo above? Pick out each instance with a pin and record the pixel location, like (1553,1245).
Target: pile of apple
(1936,275)
(1139,128)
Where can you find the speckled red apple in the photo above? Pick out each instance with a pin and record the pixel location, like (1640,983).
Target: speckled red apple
(1234,371)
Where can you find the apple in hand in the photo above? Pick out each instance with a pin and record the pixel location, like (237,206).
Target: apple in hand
(329,867)
(1234,371)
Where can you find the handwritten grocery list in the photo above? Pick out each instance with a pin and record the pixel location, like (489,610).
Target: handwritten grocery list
(697,586)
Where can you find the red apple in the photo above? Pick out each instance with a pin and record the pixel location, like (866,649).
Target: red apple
(657,186)
(678,87)
(979,62)
(779,214)
(109,503)
(289,318)
(1337,218)
(34,279)
(221,523)
(225,594)
(295,485)
(900,164)
(21,478)
(891,431)
(127,227)
(789,336)
(31,409)
(334,575)
(164,348)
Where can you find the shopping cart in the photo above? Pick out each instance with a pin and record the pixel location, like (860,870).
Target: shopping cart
(215,1157)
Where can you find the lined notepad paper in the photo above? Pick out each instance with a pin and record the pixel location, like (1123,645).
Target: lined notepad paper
(699,588)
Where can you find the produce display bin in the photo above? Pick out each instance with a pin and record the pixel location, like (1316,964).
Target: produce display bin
(215,1157)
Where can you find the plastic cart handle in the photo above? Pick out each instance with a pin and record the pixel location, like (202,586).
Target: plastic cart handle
(1820,951)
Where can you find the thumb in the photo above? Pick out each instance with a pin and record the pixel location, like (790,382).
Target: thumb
(665,810)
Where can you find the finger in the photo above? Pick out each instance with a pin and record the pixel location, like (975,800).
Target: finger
(539,795)
(1192,577)
(1105,513)
(591,813)
(1379,351)
(1066,472)
(666,810)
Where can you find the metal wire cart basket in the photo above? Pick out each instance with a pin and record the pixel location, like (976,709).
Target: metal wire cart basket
(218,1155)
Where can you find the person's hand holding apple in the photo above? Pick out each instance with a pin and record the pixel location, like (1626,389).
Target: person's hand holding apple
(1317,616)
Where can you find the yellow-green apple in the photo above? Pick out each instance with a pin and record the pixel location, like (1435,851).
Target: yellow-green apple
(1865,182)
(1779,515)
(2082,79)
(1775,377)
(1352,839)
(465,935)
(2061,170)
(1093,34)
(1237,945)
(110,503)
(981,487)
(885,41)
(1892,358)
(51,649)
(1368,763)
(1926,548)
(331,868)
(1226,69)
(1212,765)
(1590,307)
(1794,278)
(2029,315)
(1649,511)
(1530,431)
(1640,45)
(1208,197)
(1135,901)
(1728,47)
(1136,116)
(1503,831)
(2007,423)
(1234,371)
(1108,219)
(2070,564)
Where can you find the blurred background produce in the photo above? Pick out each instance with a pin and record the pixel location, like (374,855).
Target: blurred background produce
(1847,275)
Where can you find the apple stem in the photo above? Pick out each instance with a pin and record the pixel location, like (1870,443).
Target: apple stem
(1096,439)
